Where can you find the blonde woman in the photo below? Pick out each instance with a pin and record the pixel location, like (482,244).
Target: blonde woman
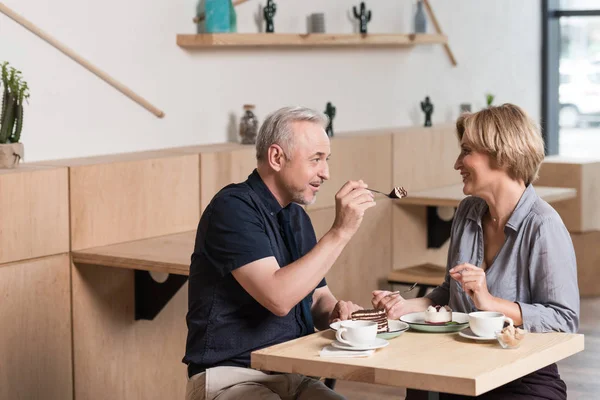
(509,250)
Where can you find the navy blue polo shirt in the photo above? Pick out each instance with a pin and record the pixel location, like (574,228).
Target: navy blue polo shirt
(225,324)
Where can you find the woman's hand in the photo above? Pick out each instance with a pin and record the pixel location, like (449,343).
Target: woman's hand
(472,280)
(394,304)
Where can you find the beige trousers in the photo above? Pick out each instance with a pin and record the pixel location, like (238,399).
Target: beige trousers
(229,383)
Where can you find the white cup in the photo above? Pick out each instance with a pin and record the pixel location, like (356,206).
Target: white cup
(486,323)
(357,333)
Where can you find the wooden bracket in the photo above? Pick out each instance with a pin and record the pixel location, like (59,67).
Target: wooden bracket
(438,230)
(438,29)
(80,60)
(152,296)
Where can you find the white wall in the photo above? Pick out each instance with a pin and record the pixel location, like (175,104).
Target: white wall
(72,113)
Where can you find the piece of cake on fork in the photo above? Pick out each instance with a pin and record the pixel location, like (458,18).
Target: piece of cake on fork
(379,316)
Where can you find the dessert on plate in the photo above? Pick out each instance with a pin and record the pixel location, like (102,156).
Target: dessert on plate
(376,315)
(438,314)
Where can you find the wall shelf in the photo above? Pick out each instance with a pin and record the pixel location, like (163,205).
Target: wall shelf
(232,40)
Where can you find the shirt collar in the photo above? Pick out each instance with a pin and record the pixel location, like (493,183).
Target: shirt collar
(256,183)
(519,214)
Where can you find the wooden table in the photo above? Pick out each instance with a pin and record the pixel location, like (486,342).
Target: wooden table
(451,196)
(434,362)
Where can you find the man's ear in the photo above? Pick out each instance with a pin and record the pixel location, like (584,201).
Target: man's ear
(276,157)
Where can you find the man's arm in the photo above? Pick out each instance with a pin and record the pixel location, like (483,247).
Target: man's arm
(323,304)
(280,289)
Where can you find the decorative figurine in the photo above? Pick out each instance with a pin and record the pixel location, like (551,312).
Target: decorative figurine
(248,125)
(420,20)
(269,12)
(427,108)
(465,108)
(330,112)
(364,17)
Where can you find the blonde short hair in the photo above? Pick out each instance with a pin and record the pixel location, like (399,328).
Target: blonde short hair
(508,135)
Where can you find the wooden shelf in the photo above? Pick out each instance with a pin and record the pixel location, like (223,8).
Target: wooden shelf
(169,253)
(212,40)
(451,196)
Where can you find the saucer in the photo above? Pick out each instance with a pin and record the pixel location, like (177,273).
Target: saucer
(396,328)
(375,344)
(468,333)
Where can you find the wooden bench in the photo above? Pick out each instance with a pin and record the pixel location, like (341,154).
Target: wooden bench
(426,275)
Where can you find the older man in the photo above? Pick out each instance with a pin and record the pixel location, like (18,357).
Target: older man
(257,272)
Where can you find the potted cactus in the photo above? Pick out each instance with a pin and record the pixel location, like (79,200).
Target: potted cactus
(14,92)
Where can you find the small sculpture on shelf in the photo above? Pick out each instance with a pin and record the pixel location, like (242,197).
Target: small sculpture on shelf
(248,125)
(420,20)
(330,112)
(364,17)
(427,108)
(465,108)
(269,12)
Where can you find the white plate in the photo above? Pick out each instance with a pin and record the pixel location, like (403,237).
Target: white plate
(468,333)
(417,322)
(376,344)
(396,328)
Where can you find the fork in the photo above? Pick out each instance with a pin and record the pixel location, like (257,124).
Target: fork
(414,285)
(377,191)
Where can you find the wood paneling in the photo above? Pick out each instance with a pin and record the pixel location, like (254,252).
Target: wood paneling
(116,357)
(409,236)
(581,214)
(219,169)
(35,337)
(131,199)
(424,157)
(367,157)
(220,165)
(365,263)
(35,212)
(587,251)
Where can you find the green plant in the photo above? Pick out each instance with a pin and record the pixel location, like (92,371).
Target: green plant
(14,92)
(489,99)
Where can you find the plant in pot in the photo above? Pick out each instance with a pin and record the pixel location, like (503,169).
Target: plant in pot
(14,92)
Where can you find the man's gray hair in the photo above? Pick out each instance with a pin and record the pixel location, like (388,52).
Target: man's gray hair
(277,129)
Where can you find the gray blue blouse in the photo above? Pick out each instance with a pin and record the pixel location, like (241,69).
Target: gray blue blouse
(535,267)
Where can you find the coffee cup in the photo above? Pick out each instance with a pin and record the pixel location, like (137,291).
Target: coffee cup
(356,333)
(486,323)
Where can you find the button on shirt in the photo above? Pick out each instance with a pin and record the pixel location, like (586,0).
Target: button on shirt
(242,224)
(535,267)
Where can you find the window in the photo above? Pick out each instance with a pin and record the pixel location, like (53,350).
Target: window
(571,77)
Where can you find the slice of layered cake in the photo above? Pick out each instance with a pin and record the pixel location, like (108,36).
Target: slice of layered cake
(378,316)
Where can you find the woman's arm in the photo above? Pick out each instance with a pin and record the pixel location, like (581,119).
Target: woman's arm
(552,281)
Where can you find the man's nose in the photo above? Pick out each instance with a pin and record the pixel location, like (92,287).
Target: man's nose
(324,174)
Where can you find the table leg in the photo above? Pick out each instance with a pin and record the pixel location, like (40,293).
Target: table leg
(414,394)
